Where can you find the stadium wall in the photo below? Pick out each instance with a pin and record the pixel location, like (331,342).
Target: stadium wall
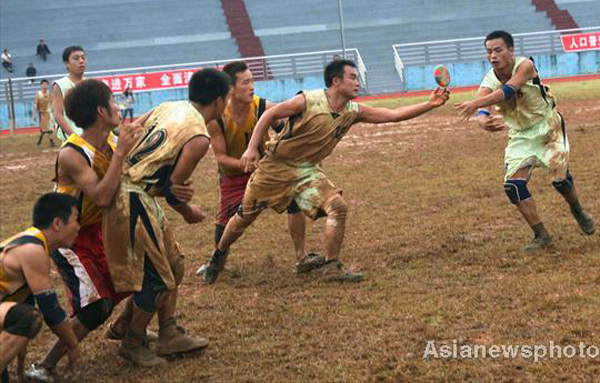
(417,78)
(471,73)
(275,90)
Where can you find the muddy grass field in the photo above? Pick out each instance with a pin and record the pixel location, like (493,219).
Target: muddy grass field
(431,228)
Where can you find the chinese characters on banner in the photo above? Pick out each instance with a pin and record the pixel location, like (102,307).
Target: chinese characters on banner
(149,81)
(581,42)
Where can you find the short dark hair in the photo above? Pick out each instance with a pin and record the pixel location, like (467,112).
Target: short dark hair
(68,50)
(82,102)
(50,206)
(206,85)
(44,81)
(335,69)
(507,37)
(233,68)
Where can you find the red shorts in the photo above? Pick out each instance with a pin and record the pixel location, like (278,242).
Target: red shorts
(231,193)
(84,270)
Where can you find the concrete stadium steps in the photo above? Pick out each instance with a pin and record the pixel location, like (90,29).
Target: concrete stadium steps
(241,28)
(115,33)
(560,18)
(289,26)
(586,13)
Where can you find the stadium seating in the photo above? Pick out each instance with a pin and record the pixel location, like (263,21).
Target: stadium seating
(585,12)
(133,33)
(115,33)
(288,26)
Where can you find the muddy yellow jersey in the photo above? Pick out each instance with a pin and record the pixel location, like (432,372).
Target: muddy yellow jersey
(311,136)
(43,102)
(170,126)
(89,212)
(237,136)
(13,290)
(531,105)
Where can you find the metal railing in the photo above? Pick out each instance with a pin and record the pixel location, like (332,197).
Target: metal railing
(472,49)
(263,68)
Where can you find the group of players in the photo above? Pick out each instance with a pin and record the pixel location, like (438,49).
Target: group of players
(109,237)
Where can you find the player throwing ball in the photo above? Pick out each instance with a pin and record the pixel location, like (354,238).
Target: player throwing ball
(290,171)
(537,133)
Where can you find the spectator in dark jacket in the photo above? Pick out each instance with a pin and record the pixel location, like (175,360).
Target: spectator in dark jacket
(43,50)
(31,71)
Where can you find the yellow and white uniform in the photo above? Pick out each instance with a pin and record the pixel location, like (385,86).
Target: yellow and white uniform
(134,226)
(537,134)
(290,170)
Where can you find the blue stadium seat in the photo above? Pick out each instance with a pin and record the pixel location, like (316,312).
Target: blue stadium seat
(286,26)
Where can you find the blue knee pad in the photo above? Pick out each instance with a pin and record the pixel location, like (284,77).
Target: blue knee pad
(516,190)
(23,320)
(95,314)
(565,186)
(146,300)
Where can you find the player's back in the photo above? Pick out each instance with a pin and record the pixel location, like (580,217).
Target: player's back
(15,289)
(170,126)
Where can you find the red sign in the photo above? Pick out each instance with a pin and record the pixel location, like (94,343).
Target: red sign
(581,42)
(149,81)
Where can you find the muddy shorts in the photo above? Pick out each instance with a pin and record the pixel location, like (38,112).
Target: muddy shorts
(544,144)
(276,185)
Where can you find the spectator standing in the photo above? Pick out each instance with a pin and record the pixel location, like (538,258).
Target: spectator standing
(42,50)
(43,107)
(127,102)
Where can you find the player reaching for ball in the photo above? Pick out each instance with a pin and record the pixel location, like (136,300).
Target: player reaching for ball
(537,132)
(290,171)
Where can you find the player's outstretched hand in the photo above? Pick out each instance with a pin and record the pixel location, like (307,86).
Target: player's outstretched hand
(249,159)
(128,137)
(183,192)
(491,124)
(439,96)
(194,215)
(466,109)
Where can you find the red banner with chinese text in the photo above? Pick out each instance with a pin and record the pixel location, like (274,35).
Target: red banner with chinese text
(140,82)
(581,42)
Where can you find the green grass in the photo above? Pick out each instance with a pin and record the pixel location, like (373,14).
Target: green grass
(431,228)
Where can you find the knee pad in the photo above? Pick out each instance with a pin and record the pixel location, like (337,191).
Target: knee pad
(95,314)
(336,210)
(516,190)
(23,320)
(149,301)
(293,208)
(565,186)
